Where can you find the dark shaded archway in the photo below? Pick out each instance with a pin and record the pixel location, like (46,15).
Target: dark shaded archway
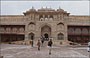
(46,36)
(31,36)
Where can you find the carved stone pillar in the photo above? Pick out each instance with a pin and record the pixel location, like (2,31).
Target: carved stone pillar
(26,32)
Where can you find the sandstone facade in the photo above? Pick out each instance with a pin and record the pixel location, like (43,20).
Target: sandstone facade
(46,22)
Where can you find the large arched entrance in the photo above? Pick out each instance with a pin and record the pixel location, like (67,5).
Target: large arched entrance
(46,32)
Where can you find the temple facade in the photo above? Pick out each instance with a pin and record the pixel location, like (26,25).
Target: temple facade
(45,22)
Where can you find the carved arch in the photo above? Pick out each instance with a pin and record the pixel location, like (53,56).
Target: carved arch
(60,36)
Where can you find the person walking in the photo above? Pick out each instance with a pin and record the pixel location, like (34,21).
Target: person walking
(38,44)
(50,45)
(42,40)
(31,43)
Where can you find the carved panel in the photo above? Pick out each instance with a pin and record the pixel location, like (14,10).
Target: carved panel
(31,26)
(60,26)
(14,29)
(84,31)
(2,29)
(77,31)
(71,30)
(60,36)
(8,29)
(21,29)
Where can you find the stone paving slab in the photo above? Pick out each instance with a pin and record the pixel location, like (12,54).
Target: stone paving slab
(23,51)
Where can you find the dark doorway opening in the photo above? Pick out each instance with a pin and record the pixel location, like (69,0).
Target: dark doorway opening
(46,36)
(31,36)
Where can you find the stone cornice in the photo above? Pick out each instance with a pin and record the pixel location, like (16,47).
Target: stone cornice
(79,16)
(11,15)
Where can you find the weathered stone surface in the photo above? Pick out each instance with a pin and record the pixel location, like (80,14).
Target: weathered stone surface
(26,51)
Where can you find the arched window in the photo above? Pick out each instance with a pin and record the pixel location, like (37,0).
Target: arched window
(14,29)
(21,29)
(46,17)
(31,36)
(60,36)
(8,29)
(31,26)
(60,23)
(2,29)
(77,31)
(71,30)
(41,18)
(51,16)
(84,31)
(31,23)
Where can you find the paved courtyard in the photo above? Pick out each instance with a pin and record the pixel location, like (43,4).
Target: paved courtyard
(26,51)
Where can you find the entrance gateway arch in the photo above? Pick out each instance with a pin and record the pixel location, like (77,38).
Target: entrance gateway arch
(46,32)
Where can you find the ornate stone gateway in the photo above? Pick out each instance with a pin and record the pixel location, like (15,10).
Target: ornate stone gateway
(46,32)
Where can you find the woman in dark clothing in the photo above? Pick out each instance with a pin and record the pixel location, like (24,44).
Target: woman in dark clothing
(42,40)
(50,45)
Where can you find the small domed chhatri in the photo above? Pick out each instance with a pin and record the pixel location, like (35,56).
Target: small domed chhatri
(57,24)
(46,9)
(60,9)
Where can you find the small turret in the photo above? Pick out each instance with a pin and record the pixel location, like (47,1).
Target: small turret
(30,11)
(60,9)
